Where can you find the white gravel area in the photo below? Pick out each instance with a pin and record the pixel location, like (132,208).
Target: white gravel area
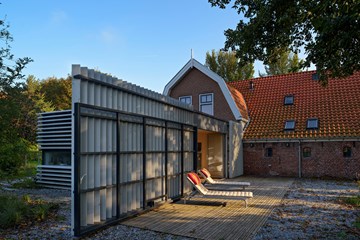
(311,209)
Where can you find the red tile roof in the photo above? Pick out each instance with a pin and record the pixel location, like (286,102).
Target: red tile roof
(337,106)
(239,101)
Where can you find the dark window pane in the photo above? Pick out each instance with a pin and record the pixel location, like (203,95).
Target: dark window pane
(62,158)
(347,151)
(268,152)
(306,152)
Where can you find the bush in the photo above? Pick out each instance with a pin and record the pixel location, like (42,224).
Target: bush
(12,156)
(16,211)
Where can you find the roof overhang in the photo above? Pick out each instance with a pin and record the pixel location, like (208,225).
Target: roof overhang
(192,63)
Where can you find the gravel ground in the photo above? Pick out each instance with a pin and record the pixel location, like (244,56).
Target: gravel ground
(311,209)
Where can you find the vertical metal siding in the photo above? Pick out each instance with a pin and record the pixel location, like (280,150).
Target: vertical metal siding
(146,162)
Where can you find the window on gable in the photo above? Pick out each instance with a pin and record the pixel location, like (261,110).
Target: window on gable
(347,152)
(268,152)
(206,103)
(289,125)
(306,152)
(289,100)
(186,99)
(312,123)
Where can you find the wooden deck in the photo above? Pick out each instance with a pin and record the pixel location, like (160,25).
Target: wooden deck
(209,220)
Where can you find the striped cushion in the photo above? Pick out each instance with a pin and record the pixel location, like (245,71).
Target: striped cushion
(205,172)
(194,178)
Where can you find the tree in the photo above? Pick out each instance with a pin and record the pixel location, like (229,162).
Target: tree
(328,30)
(283,62)
(58,92)
(32,102)
(12,146)
(226,65)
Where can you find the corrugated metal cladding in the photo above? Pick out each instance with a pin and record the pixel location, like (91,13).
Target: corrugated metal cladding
(54,130)
(132,148)
(54,134)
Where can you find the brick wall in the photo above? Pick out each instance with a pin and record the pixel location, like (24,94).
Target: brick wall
(326,160)
(195,83)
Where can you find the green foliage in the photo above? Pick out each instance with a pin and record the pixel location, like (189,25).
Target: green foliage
(15,211)
(226,65)
(58,92)
(282,62)
(327,30)
(26,183)
(12,155)
(355,201)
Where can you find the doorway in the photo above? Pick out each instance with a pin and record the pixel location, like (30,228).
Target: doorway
(211,152)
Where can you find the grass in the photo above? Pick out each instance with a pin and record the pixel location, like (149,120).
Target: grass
(25,183)
(17,212)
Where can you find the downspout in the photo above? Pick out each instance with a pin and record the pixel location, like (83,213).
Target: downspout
(299,158)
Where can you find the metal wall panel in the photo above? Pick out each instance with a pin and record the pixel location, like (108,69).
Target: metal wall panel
(132,148)
(54,130)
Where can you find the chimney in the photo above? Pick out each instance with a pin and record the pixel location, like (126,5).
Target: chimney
(252,85)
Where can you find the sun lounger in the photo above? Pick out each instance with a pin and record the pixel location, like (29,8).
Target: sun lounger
(203,192)
(208,179)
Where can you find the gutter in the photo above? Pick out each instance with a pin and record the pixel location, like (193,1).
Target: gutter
(299,158)
(303,140)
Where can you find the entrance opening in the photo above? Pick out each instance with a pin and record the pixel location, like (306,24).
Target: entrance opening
(211,152)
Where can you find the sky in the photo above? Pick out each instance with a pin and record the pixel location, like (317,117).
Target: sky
(143,42)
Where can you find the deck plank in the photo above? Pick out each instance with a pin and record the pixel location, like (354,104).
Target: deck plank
(204,219)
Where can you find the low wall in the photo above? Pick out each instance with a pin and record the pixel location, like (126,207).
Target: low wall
(326,160)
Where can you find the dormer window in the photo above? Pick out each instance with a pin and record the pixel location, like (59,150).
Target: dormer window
(312,123)
(289,125)
(289,100)
(186,99)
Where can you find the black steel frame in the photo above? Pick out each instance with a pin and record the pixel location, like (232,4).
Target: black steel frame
(80,231)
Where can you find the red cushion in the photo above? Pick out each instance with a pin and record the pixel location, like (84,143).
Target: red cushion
(194,178)
(205,172)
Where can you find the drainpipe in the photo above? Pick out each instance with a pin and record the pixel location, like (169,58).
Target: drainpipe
(299,158)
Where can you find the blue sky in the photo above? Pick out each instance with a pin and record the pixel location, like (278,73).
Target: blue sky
(143,42)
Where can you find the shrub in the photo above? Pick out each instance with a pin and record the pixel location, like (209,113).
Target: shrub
(15,211)
(12,156)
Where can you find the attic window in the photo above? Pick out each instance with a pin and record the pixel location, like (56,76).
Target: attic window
(312,123)
(289,125)
(206,103)
(186,99)
(289,100)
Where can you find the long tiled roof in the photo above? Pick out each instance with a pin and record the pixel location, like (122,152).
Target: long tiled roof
(336,106)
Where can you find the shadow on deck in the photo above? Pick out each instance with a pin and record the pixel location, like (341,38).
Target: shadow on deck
(208,219)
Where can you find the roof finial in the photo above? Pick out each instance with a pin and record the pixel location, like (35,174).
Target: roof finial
(191,53)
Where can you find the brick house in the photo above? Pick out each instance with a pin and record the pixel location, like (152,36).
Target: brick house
(292,126)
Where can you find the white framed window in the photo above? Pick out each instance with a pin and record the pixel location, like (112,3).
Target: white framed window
(289,125)
(186,99)
(206,103)
(312,123)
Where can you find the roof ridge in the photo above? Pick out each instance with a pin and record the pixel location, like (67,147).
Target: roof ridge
(274,76)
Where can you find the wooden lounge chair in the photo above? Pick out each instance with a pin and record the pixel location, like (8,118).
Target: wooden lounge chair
(206,193)
(208,179)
